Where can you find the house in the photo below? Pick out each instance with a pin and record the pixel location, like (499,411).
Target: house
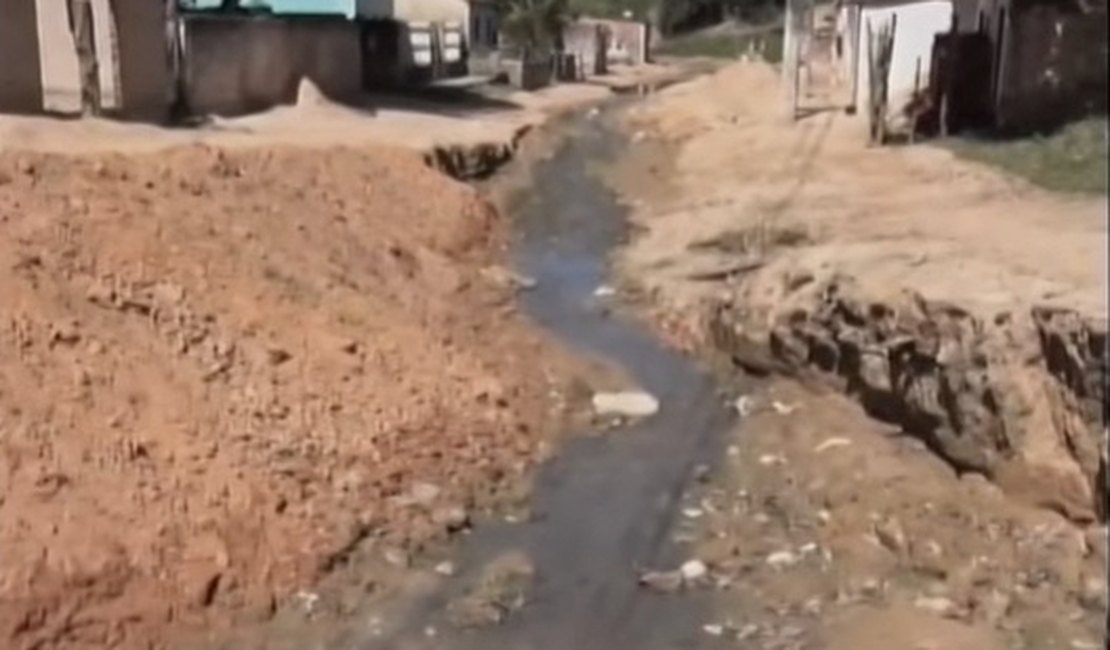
(1048,58)
(1009,65)
(909,29)
(483,38)
(20,85)
(629,40)
(586,47)
(133,78)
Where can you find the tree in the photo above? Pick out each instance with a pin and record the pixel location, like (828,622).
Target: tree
(534,25)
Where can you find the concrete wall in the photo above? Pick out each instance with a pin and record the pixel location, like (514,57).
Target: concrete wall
(20,85)
(588,43)
(432,11)
(1054,68)
(61,77)
(916,29)
(629,41)
(1049,59)
(528,74)
(237,65)
(145,73)
(129,42)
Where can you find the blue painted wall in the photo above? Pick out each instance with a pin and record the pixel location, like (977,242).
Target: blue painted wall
(307,7)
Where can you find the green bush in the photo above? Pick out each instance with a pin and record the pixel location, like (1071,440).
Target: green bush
(723,45)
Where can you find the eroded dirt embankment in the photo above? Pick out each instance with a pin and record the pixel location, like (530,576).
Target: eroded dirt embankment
(963,307)
(221,369)
(957,303)
(1019,398)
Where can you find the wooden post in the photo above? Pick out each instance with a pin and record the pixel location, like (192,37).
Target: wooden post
(856,18)
(792,51)
(84,41)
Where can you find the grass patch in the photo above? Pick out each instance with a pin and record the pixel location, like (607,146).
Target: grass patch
(723,45)
(1073,159)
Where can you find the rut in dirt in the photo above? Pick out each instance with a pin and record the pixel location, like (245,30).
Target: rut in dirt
(604,508)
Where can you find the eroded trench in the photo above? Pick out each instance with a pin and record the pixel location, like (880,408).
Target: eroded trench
(603,507)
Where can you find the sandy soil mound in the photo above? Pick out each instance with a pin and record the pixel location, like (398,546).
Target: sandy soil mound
(218,370)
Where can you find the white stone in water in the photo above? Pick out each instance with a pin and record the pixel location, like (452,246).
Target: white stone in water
(693,570)
(744,405)
(627,403)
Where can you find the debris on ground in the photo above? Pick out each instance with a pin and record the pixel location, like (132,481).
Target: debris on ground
(744,405)
(501,589)
(625,403)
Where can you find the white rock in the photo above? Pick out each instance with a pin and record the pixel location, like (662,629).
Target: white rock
(832,443)
(744,405)
(782,408)
(664,581)
(692,513)
(307,600)
(628,403)
(771,459)
(424,493)
(713,629)
(604,291)
(747,632)
(780,559)
(445,569)
(936,605)
(693,570)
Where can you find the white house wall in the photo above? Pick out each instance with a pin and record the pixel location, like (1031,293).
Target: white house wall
(61,72)
(917,26)
(61,77)
(417,11)
(107,54)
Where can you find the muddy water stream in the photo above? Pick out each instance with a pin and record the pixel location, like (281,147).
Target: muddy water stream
(604,508)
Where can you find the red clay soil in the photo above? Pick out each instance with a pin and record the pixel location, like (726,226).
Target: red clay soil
(219,369)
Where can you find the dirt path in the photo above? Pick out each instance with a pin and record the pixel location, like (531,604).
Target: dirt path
(941,296)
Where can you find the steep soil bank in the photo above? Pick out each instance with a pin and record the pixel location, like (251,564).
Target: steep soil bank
(220,369)
(962,305)
(824,529)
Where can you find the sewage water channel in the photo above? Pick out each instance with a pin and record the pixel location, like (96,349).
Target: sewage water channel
(604,508)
